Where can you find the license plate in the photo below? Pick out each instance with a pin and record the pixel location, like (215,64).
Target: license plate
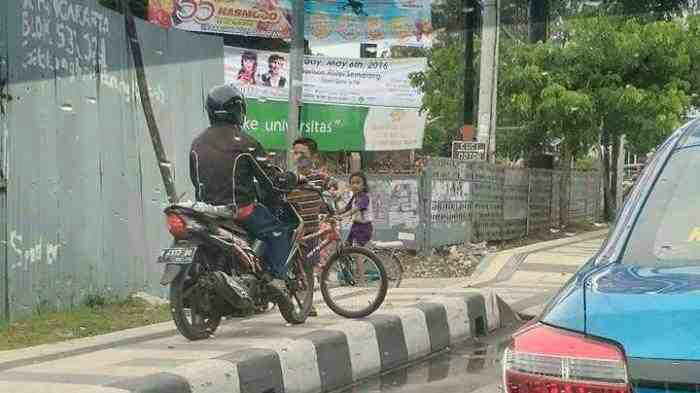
(180,255)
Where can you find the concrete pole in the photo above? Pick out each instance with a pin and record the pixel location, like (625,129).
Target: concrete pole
(488,84)
(296,75)
(471,21)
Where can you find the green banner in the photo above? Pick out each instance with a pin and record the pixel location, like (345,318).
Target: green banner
(337,127)
(334,128)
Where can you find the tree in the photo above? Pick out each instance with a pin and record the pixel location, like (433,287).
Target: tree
(442,85)
(567,114)
(632,78)
(652,9)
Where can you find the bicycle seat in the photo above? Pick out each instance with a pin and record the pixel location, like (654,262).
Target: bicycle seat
(387,245)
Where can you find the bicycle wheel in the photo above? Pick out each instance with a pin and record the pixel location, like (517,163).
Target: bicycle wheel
(301,290)
(354,282)
(392,266)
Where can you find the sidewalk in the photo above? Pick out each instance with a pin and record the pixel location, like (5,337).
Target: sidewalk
(526,278)
(259,353)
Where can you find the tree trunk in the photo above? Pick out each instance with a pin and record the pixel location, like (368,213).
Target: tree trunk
(564,184)
(608,198)
(612,165)
(605,177)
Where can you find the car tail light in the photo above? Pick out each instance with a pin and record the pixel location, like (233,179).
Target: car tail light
(543,359)
(176,226)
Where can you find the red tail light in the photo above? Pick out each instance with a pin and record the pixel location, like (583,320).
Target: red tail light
(544,359)
(176,226)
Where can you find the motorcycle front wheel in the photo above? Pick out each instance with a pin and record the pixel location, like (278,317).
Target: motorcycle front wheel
(186,306)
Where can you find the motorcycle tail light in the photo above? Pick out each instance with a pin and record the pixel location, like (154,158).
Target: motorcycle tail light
(176,226)
(544,359)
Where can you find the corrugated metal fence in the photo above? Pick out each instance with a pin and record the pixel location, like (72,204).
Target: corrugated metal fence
(82,209)
(453,201)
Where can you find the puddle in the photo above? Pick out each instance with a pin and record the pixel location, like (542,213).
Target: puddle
(473,366)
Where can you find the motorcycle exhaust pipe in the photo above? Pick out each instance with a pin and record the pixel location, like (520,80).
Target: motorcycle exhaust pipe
(231,289)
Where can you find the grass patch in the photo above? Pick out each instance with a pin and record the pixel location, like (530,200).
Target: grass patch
(96,316)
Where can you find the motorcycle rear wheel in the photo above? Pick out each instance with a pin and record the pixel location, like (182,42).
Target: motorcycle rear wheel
(185,295)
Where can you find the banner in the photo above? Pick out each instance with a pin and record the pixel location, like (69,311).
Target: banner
(338,127)
(327,22)
(330,22)
(258,18)
(327,80)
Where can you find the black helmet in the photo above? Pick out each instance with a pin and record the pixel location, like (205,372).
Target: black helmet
(226,103)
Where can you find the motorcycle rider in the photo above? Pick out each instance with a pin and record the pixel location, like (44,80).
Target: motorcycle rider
(214,155)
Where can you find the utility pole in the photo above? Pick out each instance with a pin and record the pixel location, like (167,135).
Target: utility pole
(296,75)
(470,12)
(488,81)
(367,50)
(164,165)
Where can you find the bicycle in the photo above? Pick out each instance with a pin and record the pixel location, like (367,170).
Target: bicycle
(351,270)
(386,251)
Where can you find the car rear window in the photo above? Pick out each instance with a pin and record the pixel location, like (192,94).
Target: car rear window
(667,232)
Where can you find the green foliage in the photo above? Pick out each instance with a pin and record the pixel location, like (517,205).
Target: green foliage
(435,140)
(609,76)
(443,86)
(651,9)
(587,163)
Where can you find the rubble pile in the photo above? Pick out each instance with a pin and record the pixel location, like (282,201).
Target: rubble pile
(446,262)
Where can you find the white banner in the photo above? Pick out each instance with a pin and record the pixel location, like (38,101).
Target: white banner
(327,80)
(394,129)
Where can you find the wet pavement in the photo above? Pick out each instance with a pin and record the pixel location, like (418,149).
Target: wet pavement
(474,366)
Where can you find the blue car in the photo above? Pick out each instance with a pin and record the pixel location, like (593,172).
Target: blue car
(629,319)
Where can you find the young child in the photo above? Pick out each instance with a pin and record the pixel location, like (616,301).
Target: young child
(360,209)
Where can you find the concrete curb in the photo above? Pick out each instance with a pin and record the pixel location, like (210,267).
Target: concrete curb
(335,357)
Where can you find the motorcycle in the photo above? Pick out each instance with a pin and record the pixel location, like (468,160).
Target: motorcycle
(214,270)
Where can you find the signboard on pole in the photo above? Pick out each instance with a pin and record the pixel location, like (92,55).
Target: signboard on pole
(255,18)
(468,151)
(327,80)
(337,127)
(327,22)
(409,22)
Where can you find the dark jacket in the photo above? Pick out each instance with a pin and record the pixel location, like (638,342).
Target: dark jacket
(212,159)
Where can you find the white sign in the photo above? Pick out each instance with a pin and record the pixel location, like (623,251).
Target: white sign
(394,129)
(327,80)
(468,151)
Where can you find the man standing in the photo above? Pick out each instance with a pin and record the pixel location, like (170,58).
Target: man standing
(309,203)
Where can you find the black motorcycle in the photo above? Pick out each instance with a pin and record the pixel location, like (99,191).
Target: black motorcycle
(214,271)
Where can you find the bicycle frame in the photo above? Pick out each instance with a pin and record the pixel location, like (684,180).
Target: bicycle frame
(319,234)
